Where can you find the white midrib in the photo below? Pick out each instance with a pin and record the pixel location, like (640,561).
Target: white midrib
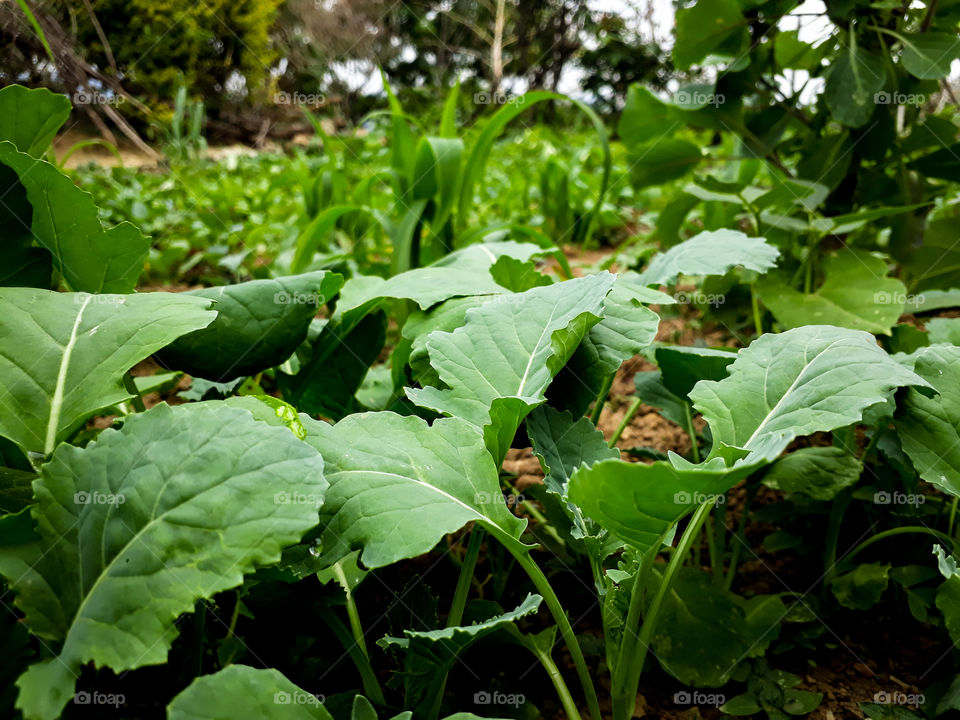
(793,386)
(56,402)
(533,353)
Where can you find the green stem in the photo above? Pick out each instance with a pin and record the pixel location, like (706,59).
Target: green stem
(455,616)
(837,510)
(130,384)
(629,639)
(628,416)
(716,567)
(601,399)
(755,306)
(371,686)
(624,700)
(691,431)
(911,529)
(566,630)
(566,699)
(953,516)
(355,626)
(466,575)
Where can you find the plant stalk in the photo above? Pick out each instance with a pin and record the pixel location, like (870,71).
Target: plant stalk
(627,418)
(691,431)
(601,399)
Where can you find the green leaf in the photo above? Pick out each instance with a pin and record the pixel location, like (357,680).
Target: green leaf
(862,588)
(943,164)
(640,503)
(563,446)
(682,367)
(259,325)
(645,118)
(627,328)
(21,264)
(928,55)
(662,161)
(856,294)
(714,27)
(65,354)
(929,427)
(176,506)
(496,368)
(710,253)
(339,359)
(817,472)
(704,632)
(66,223)
(812,379)
(242,691)
(854,78)
(398,485)
(429,654)
(741,705)
(424,286)
(944,331)
(30,118)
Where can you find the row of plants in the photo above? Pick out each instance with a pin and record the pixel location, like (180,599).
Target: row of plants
(342,424)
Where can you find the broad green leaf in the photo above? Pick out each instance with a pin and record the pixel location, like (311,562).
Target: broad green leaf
(424,286)
(862,588)
(710,253)
(66,223)
(398,485)
(480,255)
(662,161)
(639,503)
(929,427)
(793,53)
(339,359)
(682,367)
(856,294)
(176,506)
(704,632)
(563,446)
(65,354)
(811,379)
(652,392)
(496,368)
(944,331)
(817,472)
(928,55)
(645,117)
(518,276)
(436,175)
(627,328)
(259,325)
(445,317)
(21,263)
(30,118)
(710,27)
(853,80)
(242,691)
(429,654)
(935,265)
